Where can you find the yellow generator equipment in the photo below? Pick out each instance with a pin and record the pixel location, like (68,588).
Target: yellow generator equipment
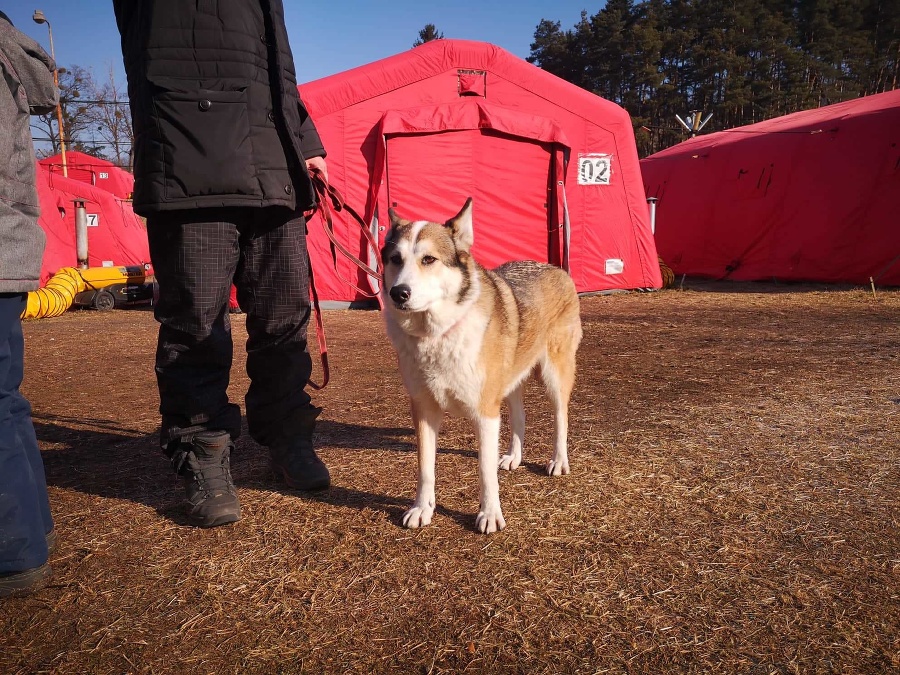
(109,287)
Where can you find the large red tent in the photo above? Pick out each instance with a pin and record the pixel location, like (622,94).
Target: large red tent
(810,196)
(552,168)
(94,171)
(116,236)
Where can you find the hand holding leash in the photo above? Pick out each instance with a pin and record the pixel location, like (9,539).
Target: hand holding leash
(315,164)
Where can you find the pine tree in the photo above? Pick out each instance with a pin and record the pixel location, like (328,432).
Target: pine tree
(609,49)
(427,34)
(560,52)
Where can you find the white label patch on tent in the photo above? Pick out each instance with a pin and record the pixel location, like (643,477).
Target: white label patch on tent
(615,266)
(594,168)
(93,219)
(104,175)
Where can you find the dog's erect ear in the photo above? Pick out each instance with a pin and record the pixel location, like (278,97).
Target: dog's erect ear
(461,226)
(395,219)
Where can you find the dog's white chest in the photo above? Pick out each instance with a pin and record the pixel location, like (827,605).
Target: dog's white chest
(448,367)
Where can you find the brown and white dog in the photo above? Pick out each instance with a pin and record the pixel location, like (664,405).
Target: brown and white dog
(467,339)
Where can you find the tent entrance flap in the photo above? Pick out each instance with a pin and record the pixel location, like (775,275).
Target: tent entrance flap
(430,176)
(431,159)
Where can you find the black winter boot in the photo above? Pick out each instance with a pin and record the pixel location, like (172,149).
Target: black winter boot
(204,463)
(295,460)
(15,584)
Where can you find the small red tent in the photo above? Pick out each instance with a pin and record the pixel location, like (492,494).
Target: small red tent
(93,171)
(116,235)
(810,196)
(552,168)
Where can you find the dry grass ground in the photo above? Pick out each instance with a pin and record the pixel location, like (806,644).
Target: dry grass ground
(733,508)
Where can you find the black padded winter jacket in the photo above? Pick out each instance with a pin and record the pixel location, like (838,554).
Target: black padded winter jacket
(217,118)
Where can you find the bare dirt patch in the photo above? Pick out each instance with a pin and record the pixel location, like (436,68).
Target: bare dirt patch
(733,507)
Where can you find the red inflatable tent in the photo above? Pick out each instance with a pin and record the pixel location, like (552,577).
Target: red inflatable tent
(552,168)
(810,196)
(116,236)
(93,171)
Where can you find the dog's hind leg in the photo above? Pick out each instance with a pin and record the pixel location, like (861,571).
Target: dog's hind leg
(427,417)
(558,374)
(513,457)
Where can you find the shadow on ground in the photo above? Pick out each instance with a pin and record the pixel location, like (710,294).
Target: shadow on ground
(104,458)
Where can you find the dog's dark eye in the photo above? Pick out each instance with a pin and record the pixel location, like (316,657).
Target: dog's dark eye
(428,259)
(396,259)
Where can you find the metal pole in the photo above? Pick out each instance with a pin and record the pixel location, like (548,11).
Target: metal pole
(695,122)
(81,235)
(652,201)
(566,227)
(39,17)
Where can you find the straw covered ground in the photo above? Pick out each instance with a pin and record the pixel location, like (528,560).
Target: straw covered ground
(733,508)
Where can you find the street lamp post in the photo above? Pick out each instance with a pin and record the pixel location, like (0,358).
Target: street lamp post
(39,17)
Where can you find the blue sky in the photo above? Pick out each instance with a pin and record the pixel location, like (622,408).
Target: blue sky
(327,37)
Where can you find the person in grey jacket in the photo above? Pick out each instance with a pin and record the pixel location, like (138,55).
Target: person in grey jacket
(222,150)
(26,526)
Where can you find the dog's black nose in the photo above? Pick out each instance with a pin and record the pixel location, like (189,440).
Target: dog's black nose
(400,293)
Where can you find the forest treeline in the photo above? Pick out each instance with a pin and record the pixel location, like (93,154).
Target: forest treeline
(744,61)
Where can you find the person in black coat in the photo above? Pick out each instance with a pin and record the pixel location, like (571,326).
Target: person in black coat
(222,151)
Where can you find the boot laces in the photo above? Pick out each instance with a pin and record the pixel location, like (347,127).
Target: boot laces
(212,476)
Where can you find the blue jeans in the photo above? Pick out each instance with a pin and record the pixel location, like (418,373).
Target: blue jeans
(24,508)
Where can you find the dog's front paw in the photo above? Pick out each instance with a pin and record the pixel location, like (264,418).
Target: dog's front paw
(558,467)
(418,516)
(490,520)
